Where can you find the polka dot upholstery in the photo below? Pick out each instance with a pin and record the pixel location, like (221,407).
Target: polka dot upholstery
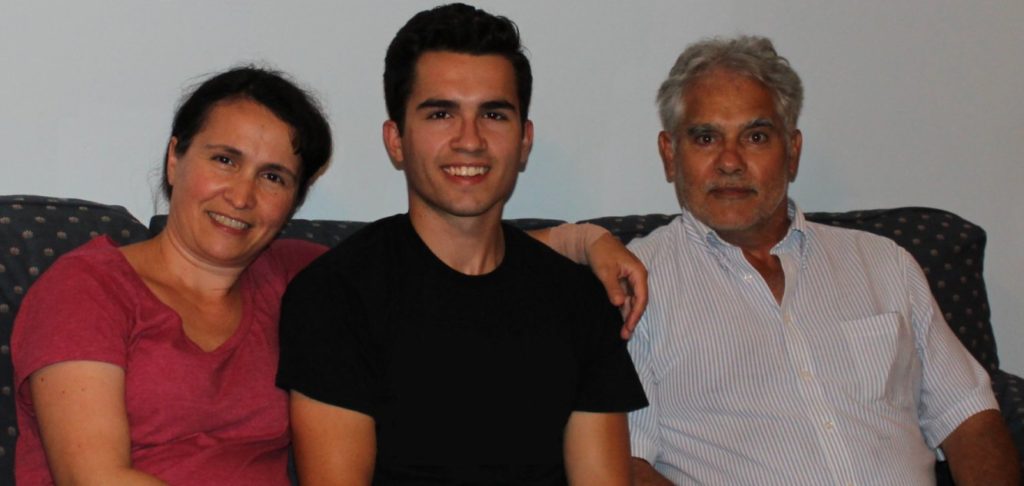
(951,252)
(34,231)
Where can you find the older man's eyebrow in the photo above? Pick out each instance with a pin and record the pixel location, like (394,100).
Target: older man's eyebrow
(702,128)
(759,123)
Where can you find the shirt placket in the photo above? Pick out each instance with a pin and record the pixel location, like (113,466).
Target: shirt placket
(827,424)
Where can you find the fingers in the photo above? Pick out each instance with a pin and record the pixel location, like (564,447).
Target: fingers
(610,279)
(636,305)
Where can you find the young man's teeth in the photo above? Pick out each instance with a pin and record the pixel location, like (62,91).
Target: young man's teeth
(229,222)
(465,171)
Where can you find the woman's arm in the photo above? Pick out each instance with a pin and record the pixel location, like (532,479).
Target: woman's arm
(83,423)
(623,275)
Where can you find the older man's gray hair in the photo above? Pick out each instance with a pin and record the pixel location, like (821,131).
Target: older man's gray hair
(746,55)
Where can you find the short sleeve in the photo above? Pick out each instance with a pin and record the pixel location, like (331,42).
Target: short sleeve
(954,386)
(326,353)
(609,382)
(76,311)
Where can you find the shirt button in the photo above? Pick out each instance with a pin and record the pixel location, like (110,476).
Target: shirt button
(787,318)
(748,278)
(829,425)
(805,375)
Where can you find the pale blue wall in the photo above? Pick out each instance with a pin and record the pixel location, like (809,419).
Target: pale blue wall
(908,103)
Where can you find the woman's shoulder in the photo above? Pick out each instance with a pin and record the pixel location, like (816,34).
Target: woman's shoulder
(288,256)
(97,260)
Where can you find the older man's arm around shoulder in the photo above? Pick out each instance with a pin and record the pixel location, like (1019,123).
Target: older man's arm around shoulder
(333,445)
(980,452)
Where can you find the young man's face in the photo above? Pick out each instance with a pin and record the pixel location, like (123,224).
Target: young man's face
(463,144)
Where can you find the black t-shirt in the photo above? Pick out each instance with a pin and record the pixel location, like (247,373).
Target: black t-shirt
(470,379)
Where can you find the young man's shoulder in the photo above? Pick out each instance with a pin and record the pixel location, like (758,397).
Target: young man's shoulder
(540,259)
(365,250)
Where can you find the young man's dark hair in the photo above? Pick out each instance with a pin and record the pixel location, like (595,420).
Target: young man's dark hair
(457,28)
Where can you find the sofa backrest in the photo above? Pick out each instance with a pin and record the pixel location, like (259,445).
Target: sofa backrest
(34,232)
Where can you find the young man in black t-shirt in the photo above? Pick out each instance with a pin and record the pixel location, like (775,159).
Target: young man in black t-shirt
(441,346)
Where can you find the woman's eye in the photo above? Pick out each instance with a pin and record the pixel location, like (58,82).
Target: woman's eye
(275,178)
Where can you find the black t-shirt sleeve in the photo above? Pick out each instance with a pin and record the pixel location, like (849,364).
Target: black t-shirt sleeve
(609,382)
(326,352)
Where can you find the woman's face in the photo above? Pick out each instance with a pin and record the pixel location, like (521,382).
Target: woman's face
(235,186)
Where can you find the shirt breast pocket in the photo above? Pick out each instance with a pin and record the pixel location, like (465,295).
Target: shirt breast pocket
(886,361)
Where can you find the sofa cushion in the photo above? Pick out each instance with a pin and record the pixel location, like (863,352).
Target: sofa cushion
(34,232)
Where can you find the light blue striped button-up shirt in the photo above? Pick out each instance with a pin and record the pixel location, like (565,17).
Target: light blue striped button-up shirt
(854,379)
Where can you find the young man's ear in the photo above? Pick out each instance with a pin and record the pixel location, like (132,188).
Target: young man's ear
(392,137)
(527,145)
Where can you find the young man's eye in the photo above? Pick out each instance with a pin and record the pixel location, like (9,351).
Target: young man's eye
(222,159)
(439,115)
(495,115)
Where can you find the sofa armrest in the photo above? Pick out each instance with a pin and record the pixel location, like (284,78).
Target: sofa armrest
(1009,389)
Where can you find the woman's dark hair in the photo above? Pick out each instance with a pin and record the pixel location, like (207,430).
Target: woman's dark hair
(311,137)
(456,28)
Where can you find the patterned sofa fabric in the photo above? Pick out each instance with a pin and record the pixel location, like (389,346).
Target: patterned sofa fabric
(34,232)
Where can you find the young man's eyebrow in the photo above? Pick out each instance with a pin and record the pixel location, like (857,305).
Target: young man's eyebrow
(433,103)
(498,105)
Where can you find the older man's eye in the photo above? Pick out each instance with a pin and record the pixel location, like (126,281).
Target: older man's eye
(222,159)
(704,139)
(759,137)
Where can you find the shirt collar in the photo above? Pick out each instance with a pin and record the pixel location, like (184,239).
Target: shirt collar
(795,239)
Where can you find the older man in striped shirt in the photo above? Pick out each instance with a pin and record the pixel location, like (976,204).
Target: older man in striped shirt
(779,351)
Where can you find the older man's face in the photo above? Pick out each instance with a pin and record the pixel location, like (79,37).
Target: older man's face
(730,160)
